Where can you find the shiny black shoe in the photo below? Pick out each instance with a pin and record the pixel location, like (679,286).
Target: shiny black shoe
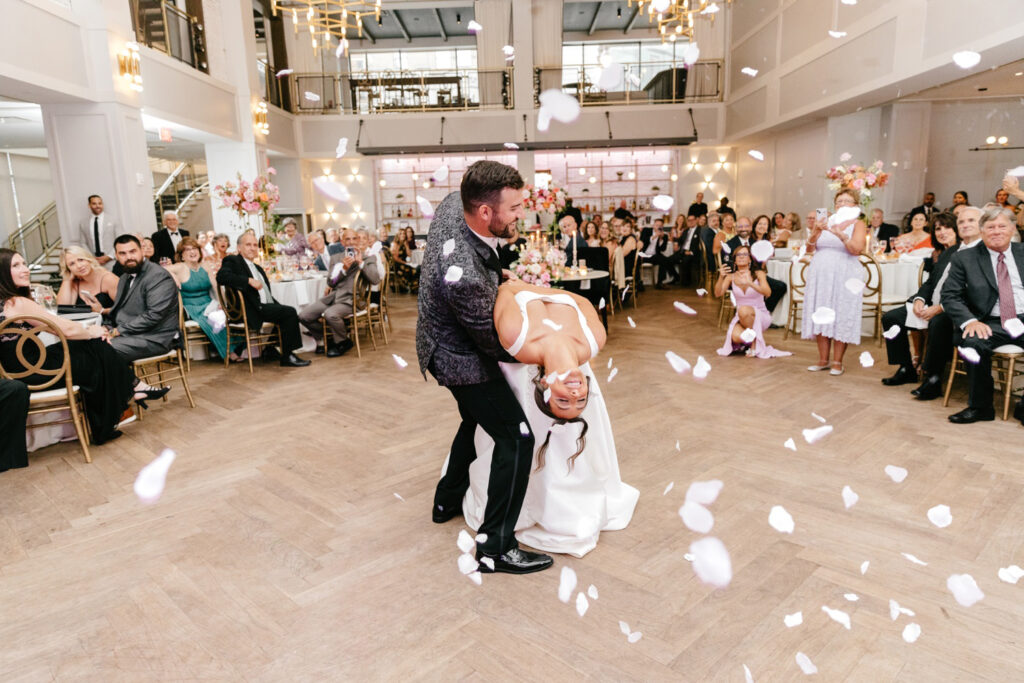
(969,415)
(515,561)
(930,389)
(319,349)
(269,353)
(293,361)
(442,514)
(1018,412)
(150,395)
(339,349)
(904,375)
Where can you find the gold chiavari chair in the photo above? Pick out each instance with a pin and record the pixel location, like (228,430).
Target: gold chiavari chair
(797,284)
(379,312)
(192,335)
(58,392)
(875,301)
(166,367)
(238,325)
(360,314)
(1004,366)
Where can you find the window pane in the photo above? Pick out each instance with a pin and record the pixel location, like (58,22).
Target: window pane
(624,53)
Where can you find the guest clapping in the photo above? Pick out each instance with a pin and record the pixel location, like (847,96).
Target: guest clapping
(84,282)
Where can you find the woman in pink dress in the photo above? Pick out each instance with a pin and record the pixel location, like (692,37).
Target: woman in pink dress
(746,280)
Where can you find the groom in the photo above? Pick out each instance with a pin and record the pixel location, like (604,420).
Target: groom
(457,342)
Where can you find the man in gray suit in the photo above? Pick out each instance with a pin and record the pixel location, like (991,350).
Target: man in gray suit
(457,342)
(144,319)
(97,232)
(337,304)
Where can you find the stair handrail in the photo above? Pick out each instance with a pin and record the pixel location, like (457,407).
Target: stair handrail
(22,238)
(170,179)
(191,194)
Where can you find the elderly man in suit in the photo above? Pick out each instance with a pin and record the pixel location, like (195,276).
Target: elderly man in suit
(13,414)
(165,240)
(881,230)
(336,305)
(239,271)
(144,318)
(457,342)
(97,232)
(323,251)
(984,296)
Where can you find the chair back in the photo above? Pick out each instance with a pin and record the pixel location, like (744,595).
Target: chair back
(872,279)
(798,278)
(360,292)
(34,362)
(920,274)
(233,304)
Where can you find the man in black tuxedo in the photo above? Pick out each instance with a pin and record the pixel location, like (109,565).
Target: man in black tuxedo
(13,414)
(927,207)
(240,272)
(926,305)
(457,342)
(707,239)
(508,252)
(652,250)
(698,208)
(744,228)
(166,239)
(882,230)
(688,250)
(984,294)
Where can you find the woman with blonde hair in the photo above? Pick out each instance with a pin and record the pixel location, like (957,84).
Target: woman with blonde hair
(84,282)
(790,226)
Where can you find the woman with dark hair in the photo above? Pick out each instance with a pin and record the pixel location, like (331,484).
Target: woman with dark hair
(778,218)
(918,237)
(590,234)
(762,229)
(104,378)
(960,197)
(745,280)
(944,235)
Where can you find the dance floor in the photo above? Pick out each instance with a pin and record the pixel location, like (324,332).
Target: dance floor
(293,541)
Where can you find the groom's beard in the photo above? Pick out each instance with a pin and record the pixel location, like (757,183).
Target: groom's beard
(499,229)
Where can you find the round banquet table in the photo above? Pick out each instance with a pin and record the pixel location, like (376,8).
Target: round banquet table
(298,294)
(581,277)
(899,281)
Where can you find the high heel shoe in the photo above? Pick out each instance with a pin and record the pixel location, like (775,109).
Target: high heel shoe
(149,395)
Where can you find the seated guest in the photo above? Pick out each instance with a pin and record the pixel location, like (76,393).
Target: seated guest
(166,239)
(219,245)
(688,250)
(336,305)
(763,229)
(508,253)
(880,230)
(778,222)
(745,278)
(983,291)
(295,242)
(323,251)
(332,236)
(654,253)
(13,416)
(102,375)
(626,243)
(85,282)
(239,272)
(570,232)
(790,226)
(927,307)
(590,234)
(144,319)
(1003,200)
(918,237)
(960,199)
(727,233)
(148,250)
(943,233)
(384,235)
(197,293)
(708,235)
(744,238)
(607,239)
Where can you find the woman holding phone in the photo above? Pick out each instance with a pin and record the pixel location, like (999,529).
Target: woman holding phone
(85,282)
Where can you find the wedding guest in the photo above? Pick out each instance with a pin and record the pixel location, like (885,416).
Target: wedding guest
(707,239)
(687,253)
(654,253)
(745,279)
(332,236)
(97,232)
(724,208)
(166,239)
(1003,200)
(607,239)
(960,199)
(1012,186)
(240,272)
(744,237)
(84,282)
(943,233)
(508,253)
(14,399)
(917,237)
(143,321)
(743,229)
(981,306)
(323,252)
(295,243)
(148,253)
(590,234)
(698,207)
(627,243)
(778,221)
(835,250)
(790,226)
(927,306)
(197,292)
(927,206)
(570,232)
(880,230)
(103,376)
(219,244)
(763,229)
(208,247)
(203,240)
(727,232)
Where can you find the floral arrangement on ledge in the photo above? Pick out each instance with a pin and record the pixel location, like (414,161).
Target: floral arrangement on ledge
(538,199)
(539,265)
(258,197)
(857,177)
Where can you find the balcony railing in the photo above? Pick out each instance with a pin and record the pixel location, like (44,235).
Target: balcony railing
(382,92)
(38,236)
(269,86)
(162,26)
(641,83)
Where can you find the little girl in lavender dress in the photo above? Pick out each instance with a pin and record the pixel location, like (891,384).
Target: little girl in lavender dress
(745,281)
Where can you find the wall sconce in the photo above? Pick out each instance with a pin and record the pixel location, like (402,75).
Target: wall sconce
(259,118)
(130,67)
(674,177)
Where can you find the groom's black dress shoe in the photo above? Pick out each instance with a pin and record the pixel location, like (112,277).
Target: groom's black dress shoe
(516,561)
(969,415)
(931,388)
(442,513)
(903,376)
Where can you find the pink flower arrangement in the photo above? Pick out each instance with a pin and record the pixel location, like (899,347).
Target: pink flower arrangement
(246,199)
(536,199)
(857,177)
(539,267)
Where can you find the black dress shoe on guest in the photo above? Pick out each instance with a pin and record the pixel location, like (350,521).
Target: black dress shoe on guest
(319,349)
(442,513)
(516,561)
(969,415)
(931,388)
(904,375)
(339,349)
(1018,412)
(269,353)
(293,361)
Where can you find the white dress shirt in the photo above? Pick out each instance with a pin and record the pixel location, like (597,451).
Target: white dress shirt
(1018,287)
(265,296)
(492,242)
(689,238)
(175,237)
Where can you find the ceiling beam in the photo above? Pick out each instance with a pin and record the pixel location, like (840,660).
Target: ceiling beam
(401,26)
(440,24)
(632,19)
(681,141)
(593,22)
(366,32)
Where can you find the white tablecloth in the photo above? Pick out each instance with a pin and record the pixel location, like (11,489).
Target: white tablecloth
(899,281)
(299,294)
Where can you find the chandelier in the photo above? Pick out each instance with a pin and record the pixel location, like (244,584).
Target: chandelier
(675,18)
(327,19)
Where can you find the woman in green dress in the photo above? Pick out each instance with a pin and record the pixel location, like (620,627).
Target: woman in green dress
(197,291)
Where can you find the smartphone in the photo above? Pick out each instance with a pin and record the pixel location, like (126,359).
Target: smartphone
(821,214)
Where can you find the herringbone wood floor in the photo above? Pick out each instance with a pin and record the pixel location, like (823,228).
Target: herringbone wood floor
(280,552)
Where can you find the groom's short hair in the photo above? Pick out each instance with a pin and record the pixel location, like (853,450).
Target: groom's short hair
(484,181)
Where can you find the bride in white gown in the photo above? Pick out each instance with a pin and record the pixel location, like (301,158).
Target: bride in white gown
(575,490)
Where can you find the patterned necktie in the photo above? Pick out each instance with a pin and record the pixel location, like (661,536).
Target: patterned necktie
(1007,308)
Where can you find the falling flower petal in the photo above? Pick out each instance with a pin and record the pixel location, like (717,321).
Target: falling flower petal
(748,335)
(823,316)
(592,592)
(704,492)
(702,368)
(688,557)
(892,332)
(1019,172)
(677,446)
(465,541)
(866,359)
(1011,574)
(624,627)
(582,605)
(467,563)
(691,54)
(331,189)
(662,202)
(1014,327)
(837,34)
(399,361)
(845,156)
(969,354)
(850,497)
(748,71)
(441,173)
(630,320)
(453,274)
(511,145)
(794,619)
(449,247)
(678,364)
(600,304)
(895,610)
(149,485)
(762,250)
(610,77)
(816,434)
(342,147)
(837,615)
(914,559)
(476,577)
(966,59)
(790,444)
(864,566)
(897,474)
(683,308)
(911,632)
(557,105)
(218,320)
(547,395)
(566,584)
(696,517)
(819,418)
(940,516)
(855,285)
(473,26)
(702,292)
(747,677)
(481,538)
(399,497)
(711,561)
(284,72)
(964,589)
(781,520)
(611,375)
(524,429)
(425,207)
(805,663)
(610,362)
(552,324)
(509,51)
(635,636)
(756,154)
(311,96)
(668,488)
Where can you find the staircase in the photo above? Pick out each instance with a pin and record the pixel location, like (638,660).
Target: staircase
(38,241)
(182,191)
(150,28)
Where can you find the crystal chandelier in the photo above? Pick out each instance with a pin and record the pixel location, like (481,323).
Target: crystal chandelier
(675,18)
(327,19)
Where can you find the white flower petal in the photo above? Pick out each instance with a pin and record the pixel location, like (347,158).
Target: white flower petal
(465,541)
(481,538)
(611,375)
(453,274)
(341,149)
(704,492)
(762,250)
(662,202)
(845,156)
(557,105)
(1011,574)
(940,516)
(1014,327)
(547,395)
(678,364)
(969,354)
(748,71)
(476,578)
(781,520)
(855,285)
(449,247)
(964,588)
(677,446)
(864,566)
(747,677)
(441,173)
(866,359)
(600,303)
(630,320)
(805,663)
(683,308)
(149,484)
(816,434)
(837,615)
(966,59)
(467,563)
(702,368)
(489,561)
(524,429)
(911,632)
(794,619)
(510,145)
(474,27)
(837,34)
(711,561)
(582,605)
(668,488)
(892,332)
(894,609)
(1019,172)
(914,559)
(331,189)
(508,50)
(425,207)
(823,316)
(756,154)
(311,96)
(702,292)
(552,324)
(635,636)
(566,584)
(399,497)
(688,557)
(284,72)
(624,627)
(696,517)
(610,77)
(691,54)
(790,444)
(897,474)
(399,361)
(748,335)
(852,597)
(819,418)
(592,592)
(850,497)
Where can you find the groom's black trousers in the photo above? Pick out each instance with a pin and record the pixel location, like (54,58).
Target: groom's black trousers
(494,407)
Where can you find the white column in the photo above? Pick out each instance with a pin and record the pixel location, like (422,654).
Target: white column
(547,41)
(522,41)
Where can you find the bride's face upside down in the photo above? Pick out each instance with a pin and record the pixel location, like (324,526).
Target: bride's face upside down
(569,394)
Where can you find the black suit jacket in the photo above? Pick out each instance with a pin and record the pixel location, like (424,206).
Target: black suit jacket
(235,273)
(332,249)
(509,253)
(735,242)
(698,209)
(971,290)
(163,247)
(927,289)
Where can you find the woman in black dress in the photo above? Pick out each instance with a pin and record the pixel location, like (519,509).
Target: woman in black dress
(85,281)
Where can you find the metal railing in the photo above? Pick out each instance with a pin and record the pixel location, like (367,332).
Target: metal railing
(268,83)
(381,92)
(160,25)
(641,83)
(38,236)
(176,189)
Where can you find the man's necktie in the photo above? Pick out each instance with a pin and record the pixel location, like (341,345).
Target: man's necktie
(96,235)
(1007,308)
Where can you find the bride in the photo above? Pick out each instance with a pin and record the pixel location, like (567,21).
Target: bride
(574,491)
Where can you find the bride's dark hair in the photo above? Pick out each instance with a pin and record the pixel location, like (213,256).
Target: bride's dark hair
(538,397)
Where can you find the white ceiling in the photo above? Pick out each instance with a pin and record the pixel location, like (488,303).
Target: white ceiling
(1001,82)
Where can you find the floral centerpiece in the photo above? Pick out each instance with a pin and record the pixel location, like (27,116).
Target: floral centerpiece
(550,200)
(539,264)
(247,199)
(857,177)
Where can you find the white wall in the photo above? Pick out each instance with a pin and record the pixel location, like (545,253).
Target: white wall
(34,188)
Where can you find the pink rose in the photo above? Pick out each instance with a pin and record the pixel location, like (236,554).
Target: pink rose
(858,184)
(871,178)
(271,170)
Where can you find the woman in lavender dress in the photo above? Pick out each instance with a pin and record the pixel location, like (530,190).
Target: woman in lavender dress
(836,246)
(745,280)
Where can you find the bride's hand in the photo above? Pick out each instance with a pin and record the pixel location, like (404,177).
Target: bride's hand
(507,275)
